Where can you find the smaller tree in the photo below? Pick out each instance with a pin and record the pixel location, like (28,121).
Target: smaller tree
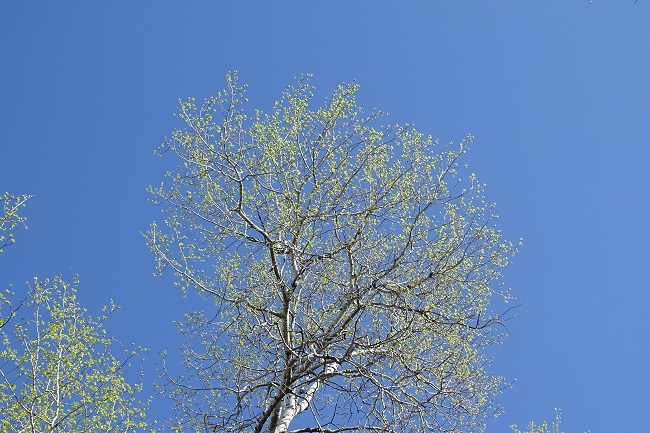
(57,371)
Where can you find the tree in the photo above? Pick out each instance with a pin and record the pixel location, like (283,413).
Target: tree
(351,271)
(57,370)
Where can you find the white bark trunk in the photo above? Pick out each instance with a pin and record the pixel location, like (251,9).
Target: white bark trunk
(297,404)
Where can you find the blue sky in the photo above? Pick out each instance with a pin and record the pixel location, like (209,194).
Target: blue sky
(557,94)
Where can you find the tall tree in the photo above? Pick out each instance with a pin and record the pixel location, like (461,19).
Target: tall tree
(57,369)
(350,266)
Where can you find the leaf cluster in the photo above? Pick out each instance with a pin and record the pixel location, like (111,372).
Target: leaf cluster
(10,217)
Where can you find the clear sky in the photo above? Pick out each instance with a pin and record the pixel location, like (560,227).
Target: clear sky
(557,93)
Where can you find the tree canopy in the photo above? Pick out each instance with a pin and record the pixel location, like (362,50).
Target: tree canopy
(351,267)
